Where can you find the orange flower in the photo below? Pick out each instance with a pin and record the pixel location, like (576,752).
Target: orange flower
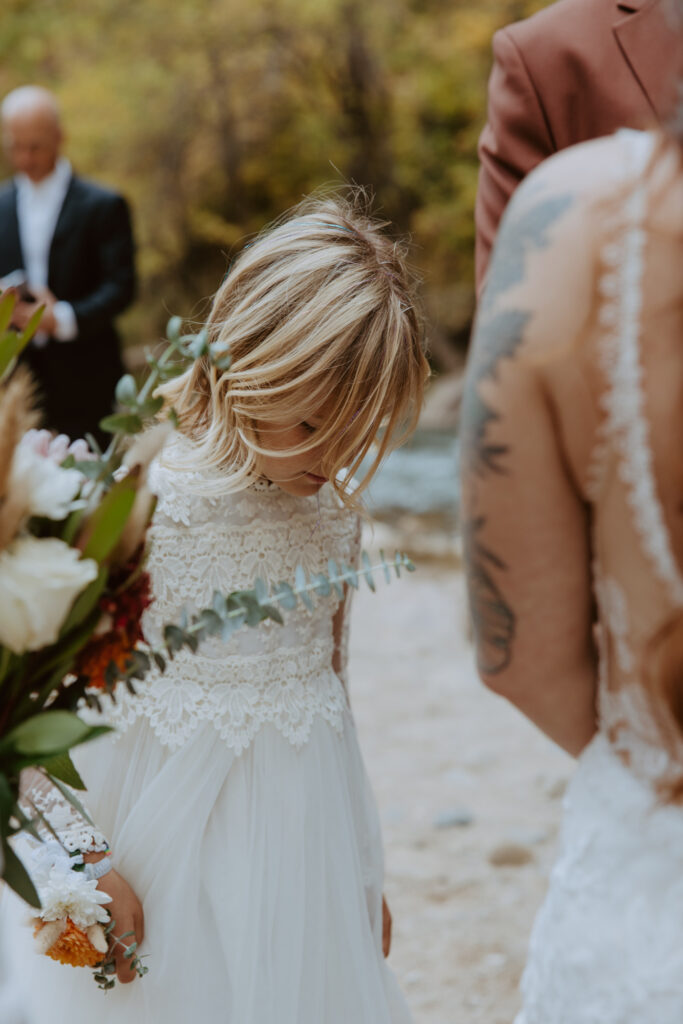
(93,661)
(124,608)
(73,945)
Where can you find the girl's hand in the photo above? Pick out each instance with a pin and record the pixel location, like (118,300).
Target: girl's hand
(126,911)
(386,928)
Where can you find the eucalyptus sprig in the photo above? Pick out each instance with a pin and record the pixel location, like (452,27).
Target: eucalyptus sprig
(106,969)
(230,612)
(138,404)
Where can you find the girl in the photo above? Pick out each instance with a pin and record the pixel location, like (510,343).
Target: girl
(234,796)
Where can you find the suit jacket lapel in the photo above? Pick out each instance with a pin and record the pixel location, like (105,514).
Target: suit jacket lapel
(11,242)
(651,46)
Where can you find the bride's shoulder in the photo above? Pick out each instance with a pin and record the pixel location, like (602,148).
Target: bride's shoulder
(589,171)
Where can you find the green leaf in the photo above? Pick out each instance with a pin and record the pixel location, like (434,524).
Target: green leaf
(173,328)
(174,638)
(366,571)
(350,575)
(16,876)
(126,390)
(138,664)
(261,590)
(31,327)
(284,595)
(387,572)
(122,423)
(105,526)
(220,605)
(150,407)
(48,734)
(7,304)
(271,612)
(245,601)
(85,603)
(129,951)
(222,362)
(198,346)
(321,584)
(398,564)
(62,767)
(159,661)
(210,621)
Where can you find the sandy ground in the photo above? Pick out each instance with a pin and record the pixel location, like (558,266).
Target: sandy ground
(462,780)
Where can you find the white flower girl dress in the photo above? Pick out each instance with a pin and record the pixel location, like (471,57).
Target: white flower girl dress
(234,795)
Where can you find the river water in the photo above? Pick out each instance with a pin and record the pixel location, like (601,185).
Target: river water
(419,479)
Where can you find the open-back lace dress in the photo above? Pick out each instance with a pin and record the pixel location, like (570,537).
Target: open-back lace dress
(607,946)
(234,796)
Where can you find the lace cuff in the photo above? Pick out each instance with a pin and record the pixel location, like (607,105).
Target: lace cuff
(74,831)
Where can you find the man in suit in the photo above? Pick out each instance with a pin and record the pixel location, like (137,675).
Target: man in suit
(574,71)
(65,243)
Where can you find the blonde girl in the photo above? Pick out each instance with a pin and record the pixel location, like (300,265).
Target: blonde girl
(234,797)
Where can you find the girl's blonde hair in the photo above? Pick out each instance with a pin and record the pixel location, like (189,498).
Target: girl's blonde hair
(318,311)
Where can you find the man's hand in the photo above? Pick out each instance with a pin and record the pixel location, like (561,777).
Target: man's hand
(23,311)
(126,911)
(386,928)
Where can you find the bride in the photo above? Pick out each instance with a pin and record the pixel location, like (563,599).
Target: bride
(573,516)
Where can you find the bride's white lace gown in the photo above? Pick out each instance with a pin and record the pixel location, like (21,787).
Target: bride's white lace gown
(234,797)
(607,946)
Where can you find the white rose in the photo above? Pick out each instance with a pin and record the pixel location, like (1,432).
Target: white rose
(50,490)
(39,580)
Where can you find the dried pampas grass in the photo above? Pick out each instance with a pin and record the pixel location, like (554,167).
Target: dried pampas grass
(17,415)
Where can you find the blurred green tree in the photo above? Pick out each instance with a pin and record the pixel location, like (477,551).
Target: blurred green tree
(214,117)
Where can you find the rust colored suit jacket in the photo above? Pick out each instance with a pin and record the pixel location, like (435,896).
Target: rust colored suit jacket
(574,71)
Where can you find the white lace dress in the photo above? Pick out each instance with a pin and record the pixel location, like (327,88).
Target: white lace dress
(234,795)
(607,945)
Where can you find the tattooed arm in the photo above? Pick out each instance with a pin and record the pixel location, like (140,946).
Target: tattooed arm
(525,524)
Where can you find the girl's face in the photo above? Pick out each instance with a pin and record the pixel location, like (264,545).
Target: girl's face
(300,475)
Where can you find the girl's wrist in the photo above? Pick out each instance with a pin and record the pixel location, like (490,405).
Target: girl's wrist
(95,855)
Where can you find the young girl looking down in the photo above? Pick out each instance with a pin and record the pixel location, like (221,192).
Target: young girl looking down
(234,796)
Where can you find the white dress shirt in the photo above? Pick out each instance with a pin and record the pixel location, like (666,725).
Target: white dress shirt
(38,208)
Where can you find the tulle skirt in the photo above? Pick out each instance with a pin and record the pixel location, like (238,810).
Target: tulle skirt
(260,877)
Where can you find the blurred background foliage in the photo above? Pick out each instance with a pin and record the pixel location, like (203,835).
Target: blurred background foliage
(213,116)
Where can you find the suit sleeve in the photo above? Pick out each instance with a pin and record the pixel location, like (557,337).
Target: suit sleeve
(116,260)
(515,139)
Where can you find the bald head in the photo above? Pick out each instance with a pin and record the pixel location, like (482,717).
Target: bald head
(31,131)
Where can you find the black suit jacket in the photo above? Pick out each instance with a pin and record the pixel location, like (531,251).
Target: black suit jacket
(91,266)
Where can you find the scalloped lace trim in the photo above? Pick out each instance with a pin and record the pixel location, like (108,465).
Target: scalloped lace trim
(239,695)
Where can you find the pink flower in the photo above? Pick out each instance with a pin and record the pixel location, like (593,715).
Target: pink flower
(56,448)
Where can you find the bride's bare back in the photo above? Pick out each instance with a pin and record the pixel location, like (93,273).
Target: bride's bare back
(572,514)
(572,473)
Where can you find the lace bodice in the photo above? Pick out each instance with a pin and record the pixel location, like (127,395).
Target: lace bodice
(200,543)
(280,674)
(638,580)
